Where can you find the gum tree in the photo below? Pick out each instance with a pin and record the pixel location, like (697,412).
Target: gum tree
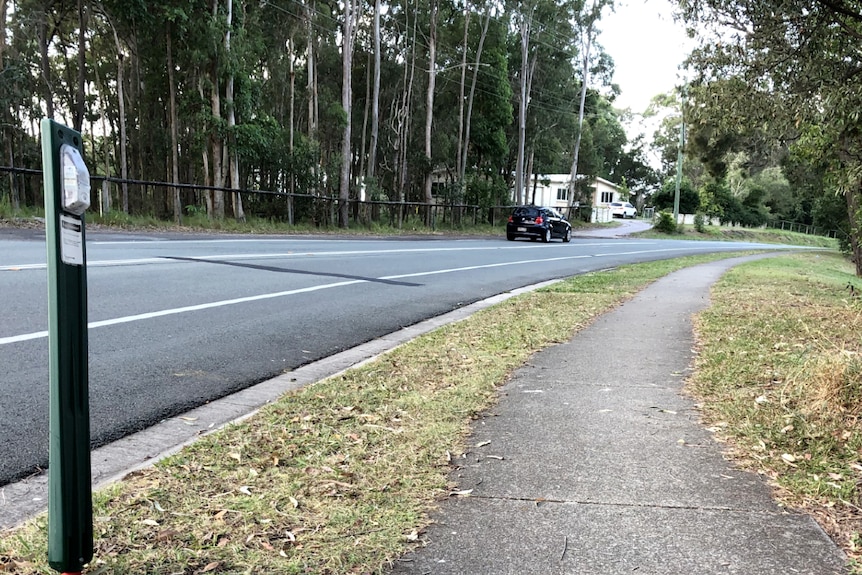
(790,70)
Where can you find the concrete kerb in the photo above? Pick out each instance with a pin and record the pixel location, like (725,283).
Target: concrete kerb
(112,462)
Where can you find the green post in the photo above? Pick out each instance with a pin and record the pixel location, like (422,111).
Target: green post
(70,503)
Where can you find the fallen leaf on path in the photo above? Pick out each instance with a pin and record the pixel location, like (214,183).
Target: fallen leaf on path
(462,493)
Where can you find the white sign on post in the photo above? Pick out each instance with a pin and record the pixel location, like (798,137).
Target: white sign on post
(71,241)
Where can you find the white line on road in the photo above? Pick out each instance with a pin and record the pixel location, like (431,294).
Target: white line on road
(222,303)
(294,254)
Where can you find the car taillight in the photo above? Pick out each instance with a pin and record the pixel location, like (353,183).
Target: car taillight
(511,219)
(539,220)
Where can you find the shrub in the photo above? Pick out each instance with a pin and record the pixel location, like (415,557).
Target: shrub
(665,223)
(700,223)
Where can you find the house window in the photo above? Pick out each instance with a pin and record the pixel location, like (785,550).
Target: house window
(607,197)
(563,194)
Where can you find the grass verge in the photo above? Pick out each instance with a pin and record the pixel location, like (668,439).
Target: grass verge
(199,223)
(339,476)
(735,234)
(779,376)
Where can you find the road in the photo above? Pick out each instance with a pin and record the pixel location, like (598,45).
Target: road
(178,320)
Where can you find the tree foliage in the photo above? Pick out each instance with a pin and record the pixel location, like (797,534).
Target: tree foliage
(782,77)
(689,200)
(257,93)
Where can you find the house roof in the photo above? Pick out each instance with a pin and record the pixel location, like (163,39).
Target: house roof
(566,177)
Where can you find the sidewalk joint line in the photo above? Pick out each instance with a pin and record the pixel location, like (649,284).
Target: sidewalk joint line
(539,501)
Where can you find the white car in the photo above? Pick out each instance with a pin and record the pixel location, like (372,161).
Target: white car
(623,210)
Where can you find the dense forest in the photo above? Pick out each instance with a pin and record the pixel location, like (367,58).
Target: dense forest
(422,102)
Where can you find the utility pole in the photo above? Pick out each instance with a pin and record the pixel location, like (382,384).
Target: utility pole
(679,157)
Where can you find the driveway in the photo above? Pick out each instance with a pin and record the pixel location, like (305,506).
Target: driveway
(624,228)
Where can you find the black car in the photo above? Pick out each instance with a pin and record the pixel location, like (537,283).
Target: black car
(538,224)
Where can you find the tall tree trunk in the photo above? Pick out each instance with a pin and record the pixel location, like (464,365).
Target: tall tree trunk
(172,89)
(853,212)
(205,159)
(365,112)
(522,108)
(233,156)
(216,139)
(292,185)
(121,108)
(530,173)
(6,131)
(375,98)
(47,88)
(585,70)
(402,115)
(347,104)
(105,206)
(462,87)
(4,7)
(429,107)
(105,194)
(13,189)
(78,121)
(312,79)
(291,177)
(851,196)
(138,136)
(462,170)
(310,68)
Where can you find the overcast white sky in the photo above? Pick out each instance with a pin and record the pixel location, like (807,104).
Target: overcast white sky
(647,47)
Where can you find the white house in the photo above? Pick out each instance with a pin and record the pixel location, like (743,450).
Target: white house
(552,190)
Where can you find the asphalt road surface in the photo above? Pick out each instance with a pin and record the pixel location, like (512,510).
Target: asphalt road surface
(178,320)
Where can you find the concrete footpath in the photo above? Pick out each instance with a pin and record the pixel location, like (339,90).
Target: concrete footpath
(595,463)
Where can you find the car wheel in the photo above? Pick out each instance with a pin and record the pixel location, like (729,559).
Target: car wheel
(510,237)
(547,237)
(568,237)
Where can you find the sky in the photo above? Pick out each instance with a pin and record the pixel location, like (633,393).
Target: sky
(647,47)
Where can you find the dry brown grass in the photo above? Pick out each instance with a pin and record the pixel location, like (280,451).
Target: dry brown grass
(779,373)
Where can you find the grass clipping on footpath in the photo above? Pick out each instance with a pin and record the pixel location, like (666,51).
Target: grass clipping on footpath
(339,476)
(779,375)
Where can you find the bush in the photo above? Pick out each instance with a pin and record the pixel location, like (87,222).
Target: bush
(700,223)
(665,223)
(689,199)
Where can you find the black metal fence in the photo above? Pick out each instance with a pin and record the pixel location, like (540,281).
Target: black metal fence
(154,199)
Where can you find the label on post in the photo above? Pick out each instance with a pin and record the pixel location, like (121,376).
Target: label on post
(71,241)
